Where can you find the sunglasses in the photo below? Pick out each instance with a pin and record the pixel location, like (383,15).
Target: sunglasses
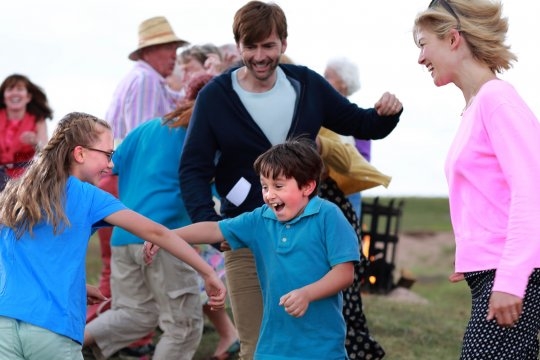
(447,7)
(109,154)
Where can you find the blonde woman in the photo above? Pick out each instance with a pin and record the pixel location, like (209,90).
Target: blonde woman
(493,173)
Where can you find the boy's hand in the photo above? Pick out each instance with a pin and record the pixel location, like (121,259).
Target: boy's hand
(295,303)
(149,251)
(216,291)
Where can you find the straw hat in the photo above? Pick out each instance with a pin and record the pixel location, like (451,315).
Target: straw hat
(155,31)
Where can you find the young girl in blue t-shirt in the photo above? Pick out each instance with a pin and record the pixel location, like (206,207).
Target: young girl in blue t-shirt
(46,219)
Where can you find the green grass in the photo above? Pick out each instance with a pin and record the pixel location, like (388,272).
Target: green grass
(407,330)
(421,214)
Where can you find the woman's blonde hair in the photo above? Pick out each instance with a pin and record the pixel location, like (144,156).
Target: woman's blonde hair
(480,22)
(39,194)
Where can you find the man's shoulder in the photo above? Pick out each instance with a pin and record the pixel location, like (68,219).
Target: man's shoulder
(297,71)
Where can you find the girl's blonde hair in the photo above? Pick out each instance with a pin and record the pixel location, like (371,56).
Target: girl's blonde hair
(39,194)
(480,22)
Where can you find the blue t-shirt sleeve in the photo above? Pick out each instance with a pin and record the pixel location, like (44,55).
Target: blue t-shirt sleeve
(103,205)
(341,239)
(240,231)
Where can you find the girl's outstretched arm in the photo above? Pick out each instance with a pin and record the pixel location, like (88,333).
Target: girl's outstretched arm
(159,235)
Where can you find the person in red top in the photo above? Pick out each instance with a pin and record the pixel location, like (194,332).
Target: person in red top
(23,110)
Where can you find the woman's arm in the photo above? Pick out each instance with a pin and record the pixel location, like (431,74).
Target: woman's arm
(41,134)
(297,301)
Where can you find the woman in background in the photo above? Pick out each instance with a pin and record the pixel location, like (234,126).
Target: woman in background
(23,110)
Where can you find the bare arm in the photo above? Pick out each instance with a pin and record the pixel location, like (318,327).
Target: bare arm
(38,138)
(41,133)
(204,232)
(297,301)
(159,235)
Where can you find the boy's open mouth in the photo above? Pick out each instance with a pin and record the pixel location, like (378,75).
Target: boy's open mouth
(278,206)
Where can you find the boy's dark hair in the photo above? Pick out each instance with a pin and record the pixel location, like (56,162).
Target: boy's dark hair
(297,158)
(256,20)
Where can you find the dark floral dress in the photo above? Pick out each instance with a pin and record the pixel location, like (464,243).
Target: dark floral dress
(358,342)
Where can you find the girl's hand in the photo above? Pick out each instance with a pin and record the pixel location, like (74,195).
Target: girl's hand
(216,291)
(94,295)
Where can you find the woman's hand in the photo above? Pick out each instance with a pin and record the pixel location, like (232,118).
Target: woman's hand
(505,308)
(456,277)
(30,138)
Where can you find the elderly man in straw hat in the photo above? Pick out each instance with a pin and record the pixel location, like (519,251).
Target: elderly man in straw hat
(143,93)
(138,303)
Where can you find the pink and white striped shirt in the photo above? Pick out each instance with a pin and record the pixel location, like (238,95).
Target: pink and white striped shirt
(141,96)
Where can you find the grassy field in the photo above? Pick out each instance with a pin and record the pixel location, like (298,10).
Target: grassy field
(407,330)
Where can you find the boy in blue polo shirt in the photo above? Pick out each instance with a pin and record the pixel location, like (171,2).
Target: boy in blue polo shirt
(304,251)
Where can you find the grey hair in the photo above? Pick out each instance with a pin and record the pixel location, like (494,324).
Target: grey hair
(347,71)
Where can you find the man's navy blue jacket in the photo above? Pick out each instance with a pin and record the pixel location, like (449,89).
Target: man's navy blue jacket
(223,140)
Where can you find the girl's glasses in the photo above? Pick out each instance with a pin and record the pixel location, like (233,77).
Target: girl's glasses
(108,153)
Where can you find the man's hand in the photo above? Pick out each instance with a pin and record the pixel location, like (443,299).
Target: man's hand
(94,295)
(388,105)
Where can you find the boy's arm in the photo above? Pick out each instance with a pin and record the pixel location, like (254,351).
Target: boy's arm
(159,235)
(204,232)
(297,301)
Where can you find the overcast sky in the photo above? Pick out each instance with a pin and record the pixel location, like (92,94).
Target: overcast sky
(77,51)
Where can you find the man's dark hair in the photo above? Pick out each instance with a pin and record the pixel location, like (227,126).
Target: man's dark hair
(256,20)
